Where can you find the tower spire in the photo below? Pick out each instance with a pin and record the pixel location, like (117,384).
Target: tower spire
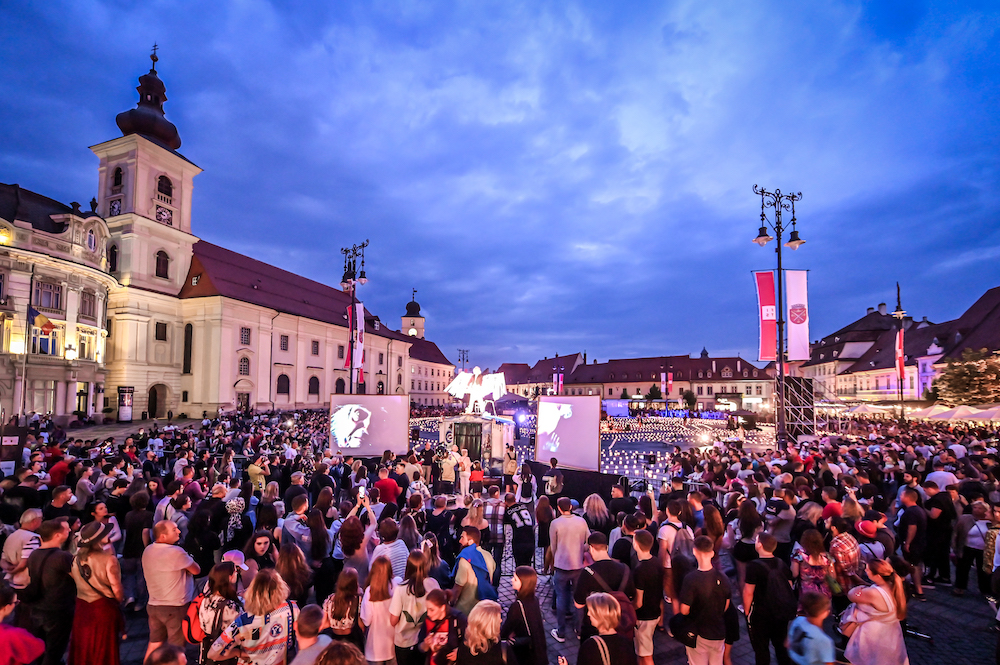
(147,118)
(154,58)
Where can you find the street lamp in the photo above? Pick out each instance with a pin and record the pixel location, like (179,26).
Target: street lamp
(463,357)
(352,277)
(778,202)
(899,314)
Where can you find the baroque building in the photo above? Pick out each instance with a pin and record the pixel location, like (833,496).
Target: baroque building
(137,310)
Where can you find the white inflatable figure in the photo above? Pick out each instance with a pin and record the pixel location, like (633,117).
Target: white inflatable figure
(349,424)
(549,415)
(478,387)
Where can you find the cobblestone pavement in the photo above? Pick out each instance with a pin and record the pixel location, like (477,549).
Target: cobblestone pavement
(960,628)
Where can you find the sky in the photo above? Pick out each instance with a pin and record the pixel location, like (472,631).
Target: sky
(552,177)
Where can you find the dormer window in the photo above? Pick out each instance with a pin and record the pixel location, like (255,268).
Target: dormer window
(164,189)
(91,240)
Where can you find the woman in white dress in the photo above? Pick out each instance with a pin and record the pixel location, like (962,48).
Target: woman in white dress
(464,472)
(877,637)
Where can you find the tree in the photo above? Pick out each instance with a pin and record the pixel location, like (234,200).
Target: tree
(975,379)
(689,400)
(625,394)
(654,392)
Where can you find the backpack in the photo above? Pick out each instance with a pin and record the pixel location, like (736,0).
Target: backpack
(191,623)
(779,598)
(628,620)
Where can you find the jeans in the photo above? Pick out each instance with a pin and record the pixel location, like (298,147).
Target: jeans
(133,582)
(565,582)
(54,629)
(971,557)
(496,549)
(763,634)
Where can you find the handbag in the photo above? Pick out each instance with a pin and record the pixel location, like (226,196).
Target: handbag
(683,631)
(851,619)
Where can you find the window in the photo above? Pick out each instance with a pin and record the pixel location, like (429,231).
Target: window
(244,366)
(744,374)
(380,388)
(399,361)
(184,396)
(315,348)
(88,345)
(708,390)
(162,265)
(164,186)
(283,384)
(340,351)
(709,375)
(339,387)
(314,385)
(45,344)
(161,331)
(245,336)
(88,305)
(758,390)
(116,180)
(283,342)
(188,343)
(48,295)
(413,385)
(413,369)
(700,390)
(701,375)
(399,379)
(91,240)
(749,390)
(113,258)
(727,373)
(381,358)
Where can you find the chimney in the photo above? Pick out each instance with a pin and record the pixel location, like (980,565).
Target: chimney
(870,310)
(881,308)
(595,361)
(713,365)
(739,366)
(584,357)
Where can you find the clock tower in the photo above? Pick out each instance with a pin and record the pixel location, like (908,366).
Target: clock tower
(413,320)
(145,188)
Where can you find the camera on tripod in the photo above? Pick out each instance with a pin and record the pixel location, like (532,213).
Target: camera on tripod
(649,459)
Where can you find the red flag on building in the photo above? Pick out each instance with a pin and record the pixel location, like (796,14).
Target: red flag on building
(767,313)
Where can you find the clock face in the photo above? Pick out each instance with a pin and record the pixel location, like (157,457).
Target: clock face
(413,332)
(116,207)
(164,215)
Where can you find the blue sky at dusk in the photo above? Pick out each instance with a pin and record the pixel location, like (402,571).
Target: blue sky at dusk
(551,176)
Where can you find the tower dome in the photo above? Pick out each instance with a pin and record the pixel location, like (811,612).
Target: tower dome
(413,308)
(147,117)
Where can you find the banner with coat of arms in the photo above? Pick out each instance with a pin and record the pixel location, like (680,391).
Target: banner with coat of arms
(798,314)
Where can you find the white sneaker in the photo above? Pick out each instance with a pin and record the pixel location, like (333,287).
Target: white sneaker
(556,636)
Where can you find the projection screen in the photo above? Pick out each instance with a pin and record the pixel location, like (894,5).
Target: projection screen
(368,425)
(569,429)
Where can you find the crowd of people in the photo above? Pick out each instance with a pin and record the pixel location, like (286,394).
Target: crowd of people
(247,540)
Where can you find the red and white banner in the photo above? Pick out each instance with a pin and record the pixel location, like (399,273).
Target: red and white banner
(560,390)
(663,384)
(670,382)
(798,314)
(555,383)
(767,312)
(900,357)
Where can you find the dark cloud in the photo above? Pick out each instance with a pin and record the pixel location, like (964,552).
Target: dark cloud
(551,177)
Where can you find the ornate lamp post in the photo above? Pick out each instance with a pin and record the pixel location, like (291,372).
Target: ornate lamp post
(779,203)
(352,278)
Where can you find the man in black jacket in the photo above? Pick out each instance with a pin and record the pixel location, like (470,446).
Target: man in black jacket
(768,610)
(51,593)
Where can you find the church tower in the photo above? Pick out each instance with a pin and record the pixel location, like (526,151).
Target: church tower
(413,320)
(144,193)
(145,190)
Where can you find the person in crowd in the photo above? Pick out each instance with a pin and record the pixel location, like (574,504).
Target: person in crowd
(543,518)
(375,613)
(605,645)
(219,608)
(568,536)
(525,485)
(263,633)
(521,520)
(941,518)
(523,627)
(970,543)
(808,644)
(17,548)
(495,513)
(812,566)
(311,643)
(409,604)
(743,532)
(769,602)
(482,638)
(442,630)
(167,654)
(705,596)
(912,532)
(342,610)
(464,472)
(409,533)
(169,572)
(846,555)
(553,481)
(17,645)
(874,629)
(473,573)
(647,575)
(294,570)
(50,596)
(436,567)
(97,621)
(620,501)
(391,547)
(603,575)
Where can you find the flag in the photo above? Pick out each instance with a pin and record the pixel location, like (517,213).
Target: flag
(663,384)
(767,313)
(560,389)
(555,383)
(39,320)
(670,383)
(797,314)
(900,358)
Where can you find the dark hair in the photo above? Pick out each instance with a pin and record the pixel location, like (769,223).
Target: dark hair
(166,654)
(814,603)
(529,581)
(346,595)
(309,621)
(416,573)
(341,653)
(644,539)
(352,534)
(388,530)
(219,581)
(248,549)
(473,534)
(598,540)
(49,528)
(7,595)
(293,568)
(320,536)
(768,543)
(704,544)
(437,597)
(564,504)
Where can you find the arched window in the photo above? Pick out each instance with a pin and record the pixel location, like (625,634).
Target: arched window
(313,385)
(244,366)
(283,388)
(380,388)
(164,186)
(339,388)
(91,240)
(399,379)
(117,179)
(113,258)
(162,265)
(188,343)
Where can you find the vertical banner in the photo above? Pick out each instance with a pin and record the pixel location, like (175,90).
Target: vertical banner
(900,358)
(670,382)
(359,344)
(555,383)
(767,313)
(797,315)
(561,377)
(663,384)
